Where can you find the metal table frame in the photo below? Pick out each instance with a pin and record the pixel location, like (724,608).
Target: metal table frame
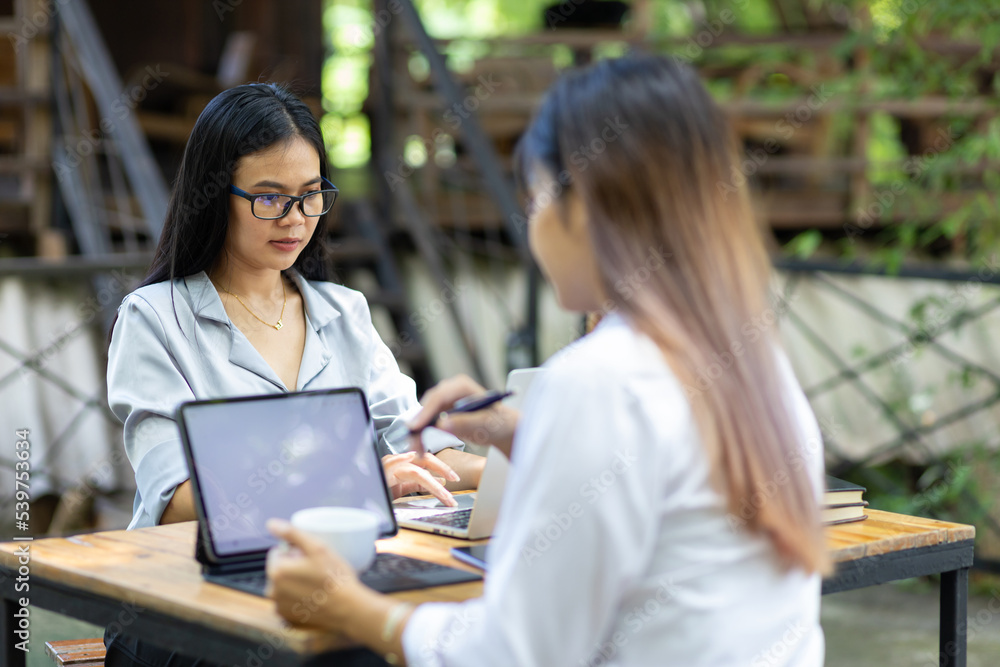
(951,560)
(157,628)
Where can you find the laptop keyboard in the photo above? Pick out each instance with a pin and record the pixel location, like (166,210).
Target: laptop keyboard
(390,567)
(250,582)
(459,519)
(389,573)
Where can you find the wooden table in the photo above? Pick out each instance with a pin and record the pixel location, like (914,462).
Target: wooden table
(888,547)
(111,577)
(148,581)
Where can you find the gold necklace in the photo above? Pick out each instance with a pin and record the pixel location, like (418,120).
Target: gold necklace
(277,326)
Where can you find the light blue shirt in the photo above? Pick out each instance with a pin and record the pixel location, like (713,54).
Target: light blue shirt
(175,345)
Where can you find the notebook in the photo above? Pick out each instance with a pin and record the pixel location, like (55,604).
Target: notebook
(476,513)
(841,492)
(256,457)
(842,502)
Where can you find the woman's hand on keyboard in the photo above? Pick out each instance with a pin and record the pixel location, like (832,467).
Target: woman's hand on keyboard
(407,473)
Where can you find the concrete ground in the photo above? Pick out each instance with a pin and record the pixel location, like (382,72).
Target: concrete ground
(897,624)
(884,626)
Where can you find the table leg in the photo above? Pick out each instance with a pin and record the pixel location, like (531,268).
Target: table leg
(954,615)
(10,655)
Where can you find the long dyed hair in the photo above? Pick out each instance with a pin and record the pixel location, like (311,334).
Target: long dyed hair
(653,159)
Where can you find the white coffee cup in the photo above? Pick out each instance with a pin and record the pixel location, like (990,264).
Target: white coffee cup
(349,531)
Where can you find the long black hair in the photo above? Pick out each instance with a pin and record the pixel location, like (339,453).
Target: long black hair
(237,122)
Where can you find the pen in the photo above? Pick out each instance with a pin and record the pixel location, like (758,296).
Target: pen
(470,404)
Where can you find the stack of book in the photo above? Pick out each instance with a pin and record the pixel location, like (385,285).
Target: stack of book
(842,502)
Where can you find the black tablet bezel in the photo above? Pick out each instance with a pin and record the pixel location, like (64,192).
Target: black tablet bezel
(205,548)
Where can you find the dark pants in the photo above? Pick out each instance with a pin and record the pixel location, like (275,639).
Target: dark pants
(127,651)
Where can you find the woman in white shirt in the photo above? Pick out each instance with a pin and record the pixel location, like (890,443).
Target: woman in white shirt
(662,504)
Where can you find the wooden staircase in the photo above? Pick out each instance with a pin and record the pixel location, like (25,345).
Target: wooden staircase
(63,140)
(363,258)
(26,130)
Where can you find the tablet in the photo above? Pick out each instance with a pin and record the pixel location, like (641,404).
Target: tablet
(257,457)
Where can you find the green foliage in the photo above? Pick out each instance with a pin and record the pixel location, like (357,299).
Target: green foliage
(948,194)
(945,196)
(350,25)
(947,489)
(885,152)
(913,71)
(804,244)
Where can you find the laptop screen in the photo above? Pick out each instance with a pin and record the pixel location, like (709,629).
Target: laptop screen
(268,456)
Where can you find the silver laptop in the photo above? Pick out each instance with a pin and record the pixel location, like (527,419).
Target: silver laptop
(476,513)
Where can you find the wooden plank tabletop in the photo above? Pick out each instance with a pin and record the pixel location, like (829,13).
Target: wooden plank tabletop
(885,532)
(154,568)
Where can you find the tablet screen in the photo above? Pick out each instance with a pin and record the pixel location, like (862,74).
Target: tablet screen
(263,457)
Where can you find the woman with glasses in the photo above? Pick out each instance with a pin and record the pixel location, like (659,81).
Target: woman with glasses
(662,502)
(237,303)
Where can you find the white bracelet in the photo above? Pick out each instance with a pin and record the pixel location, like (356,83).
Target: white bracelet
(392,621)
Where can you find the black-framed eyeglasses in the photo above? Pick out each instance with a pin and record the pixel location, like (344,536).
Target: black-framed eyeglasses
(274,205)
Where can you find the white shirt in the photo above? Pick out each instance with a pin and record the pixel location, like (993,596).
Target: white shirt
(611,547)
(154,365)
